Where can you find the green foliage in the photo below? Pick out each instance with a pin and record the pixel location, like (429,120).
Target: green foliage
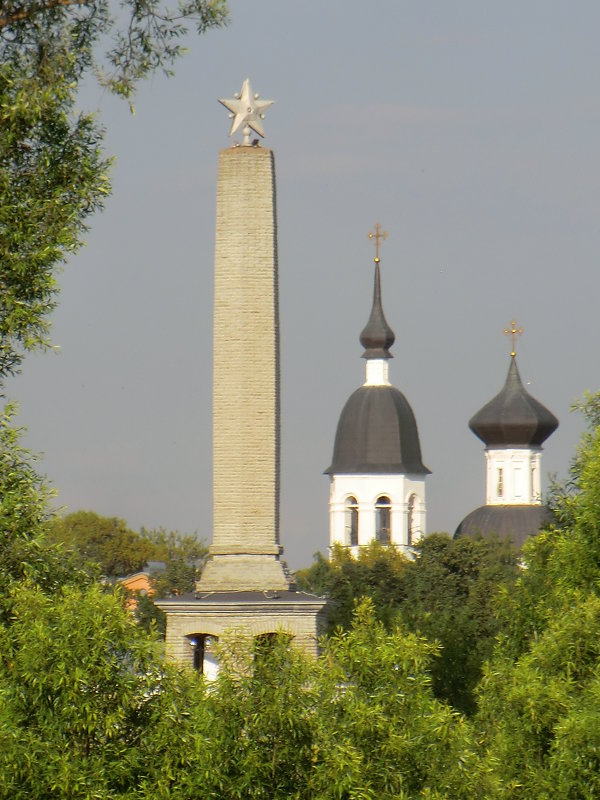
(451,591)
(106,541)
(538,700)
(23,503)
(184,556)
(563,561)
(88,709)
(377,572)
(149,616)
(109,547)
(382,732)
(53,175)
(257,724)
(144,35)
(538,715)
(446,593)
(118,550)
(25,552)
(359,722)
(80,684)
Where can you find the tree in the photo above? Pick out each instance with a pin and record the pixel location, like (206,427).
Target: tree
(451,595)
(359,722)
(184,556)
(538,715)
(25,551)
(105,541)
(447,593)
(377,572)
(382,732)
(118,550)
(538,700)
(53,175)
(146,38)
(81,685)
(563,561)
(108,547)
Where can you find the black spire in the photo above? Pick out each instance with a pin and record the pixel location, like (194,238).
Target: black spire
(513,416)
(377,336)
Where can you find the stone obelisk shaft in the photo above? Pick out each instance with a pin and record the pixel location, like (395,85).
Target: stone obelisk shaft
(246,404)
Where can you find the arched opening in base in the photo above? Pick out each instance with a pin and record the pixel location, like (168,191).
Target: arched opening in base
(205,659)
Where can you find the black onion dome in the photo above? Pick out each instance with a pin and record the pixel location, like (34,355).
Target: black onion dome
(513,417)
(516,523)
(377,433)
(377,336)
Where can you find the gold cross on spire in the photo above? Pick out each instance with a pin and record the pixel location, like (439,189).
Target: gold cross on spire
(513,332)
(379,237)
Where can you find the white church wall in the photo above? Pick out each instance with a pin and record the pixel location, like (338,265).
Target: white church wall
(513,476)
(367,489)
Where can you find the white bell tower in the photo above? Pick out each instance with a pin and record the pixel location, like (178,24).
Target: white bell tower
(377,490)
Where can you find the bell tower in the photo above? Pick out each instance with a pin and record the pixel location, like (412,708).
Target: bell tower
(377,490)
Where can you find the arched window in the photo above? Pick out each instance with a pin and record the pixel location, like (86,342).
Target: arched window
(383,520)
(412,522)
(351,521)
(204,658)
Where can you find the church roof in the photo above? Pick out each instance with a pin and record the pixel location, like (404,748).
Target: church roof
(377,433)
(516,523)
(377,336)
(513,416)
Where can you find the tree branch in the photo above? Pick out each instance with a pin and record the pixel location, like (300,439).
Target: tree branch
(27,13)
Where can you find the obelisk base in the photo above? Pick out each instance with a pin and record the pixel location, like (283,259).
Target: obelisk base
(247,614)
(241,572)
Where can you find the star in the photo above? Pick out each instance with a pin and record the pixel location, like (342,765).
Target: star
(247,110)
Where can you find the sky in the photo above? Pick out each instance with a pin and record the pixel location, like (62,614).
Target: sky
(469,130)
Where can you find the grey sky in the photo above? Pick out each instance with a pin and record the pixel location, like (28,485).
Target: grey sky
(469,130)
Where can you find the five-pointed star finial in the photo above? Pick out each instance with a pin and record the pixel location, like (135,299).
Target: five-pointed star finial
(247,110)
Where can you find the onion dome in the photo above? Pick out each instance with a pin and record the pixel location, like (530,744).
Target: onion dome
(513,416)
(377,336)
(516,523)
(377,433)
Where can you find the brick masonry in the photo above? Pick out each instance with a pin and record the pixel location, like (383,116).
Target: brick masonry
(244,588)
(303,620)
(246,424)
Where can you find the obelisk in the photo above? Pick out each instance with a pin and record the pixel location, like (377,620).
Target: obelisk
(245,550)
(245,589)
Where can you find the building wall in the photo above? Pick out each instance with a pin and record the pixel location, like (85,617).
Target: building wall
(304,622)
(367,489)
(513,476)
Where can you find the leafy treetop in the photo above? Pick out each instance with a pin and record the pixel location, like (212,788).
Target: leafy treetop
(143,35)
(53,174)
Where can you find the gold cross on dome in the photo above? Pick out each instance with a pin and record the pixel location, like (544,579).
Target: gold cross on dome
(379,237)
(513,332)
